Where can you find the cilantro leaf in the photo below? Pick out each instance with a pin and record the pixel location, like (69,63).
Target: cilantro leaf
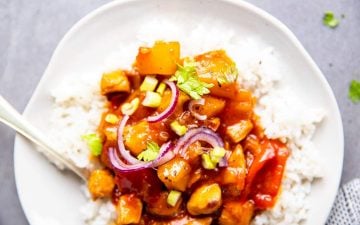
(150,153)
(94,142)
(330,20)
(354,91)
(188,81)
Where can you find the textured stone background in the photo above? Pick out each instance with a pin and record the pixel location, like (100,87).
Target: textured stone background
(30,30)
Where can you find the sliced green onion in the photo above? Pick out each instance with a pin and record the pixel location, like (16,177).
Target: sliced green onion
(130,107)
(161,88)
(216,154)
(152,99)
(173,197)
(207,163)
(94,142)
(111,118)
(178,128)
(149,84)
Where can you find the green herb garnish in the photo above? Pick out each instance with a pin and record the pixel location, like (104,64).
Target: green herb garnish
(94,142)
(330,20)
(150,153)
(188,81)
(354,91)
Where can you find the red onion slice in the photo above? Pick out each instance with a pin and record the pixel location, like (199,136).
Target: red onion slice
(125,153)
(131,159)
(171,108)
(192,110)
(197,134)
(224,160)
(164,156)
(120,165)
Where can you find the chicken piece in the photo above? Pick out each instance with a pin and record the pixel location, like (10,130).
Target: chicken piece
(235,111)
(101,183)
(205,200)
(212,106)
(175,174)
(213,123)
(193,152)
(233,176)
(236,213)
(137,135)
(161,59)
(131,104)
(217,68)
(195,177)
(128,210)
(115,81)
(160,207)
(186,220)
(238,131)
(165,101)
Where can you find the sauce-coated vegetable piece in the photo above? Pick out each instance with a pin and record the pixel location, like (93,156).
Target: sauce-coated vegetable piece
(193,152)
(233,176)
(239,109)
(166,100)
(159,206)
(160,59)
(216,68)
(175,174)
(205,200)
(115,81)
(238,131)
(137,136)
(236,213)
(128,210)
(101,183)
(267,182)
(266,164)
(200,185)
(212,107)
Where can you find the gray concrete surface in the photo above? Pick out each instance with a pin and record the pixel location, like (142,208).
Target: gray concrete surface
(30,30)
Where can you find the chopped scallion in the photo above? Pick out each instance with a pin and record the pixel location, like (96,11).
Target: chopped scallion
(178,128)
(173,197)
(152,99)
(149,84)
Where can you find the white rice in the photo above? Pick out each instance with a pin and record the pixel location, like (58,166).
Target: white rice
(78,106)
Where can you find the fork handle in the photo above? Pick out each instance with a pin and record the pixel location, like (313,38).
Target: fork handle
(10,117)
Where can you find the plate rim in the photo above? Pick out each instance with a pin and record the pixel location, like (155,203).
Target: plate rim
(273,21)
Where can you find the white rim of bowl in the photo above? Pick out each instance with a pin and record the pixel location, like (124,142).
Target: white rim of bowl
(238,3)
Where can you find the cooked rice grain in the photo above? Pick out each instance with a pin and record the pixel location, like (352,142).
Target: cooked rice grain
(78,106)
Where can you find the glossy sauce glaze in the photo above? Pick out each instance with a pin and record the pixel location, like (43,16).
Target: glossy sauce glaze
(248,184)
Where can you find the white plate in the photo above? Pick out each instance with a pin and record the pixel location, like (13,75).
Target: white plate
(51,197)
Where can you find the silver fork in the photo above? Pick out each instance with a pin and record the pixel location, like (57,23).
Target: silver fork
(13,119)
